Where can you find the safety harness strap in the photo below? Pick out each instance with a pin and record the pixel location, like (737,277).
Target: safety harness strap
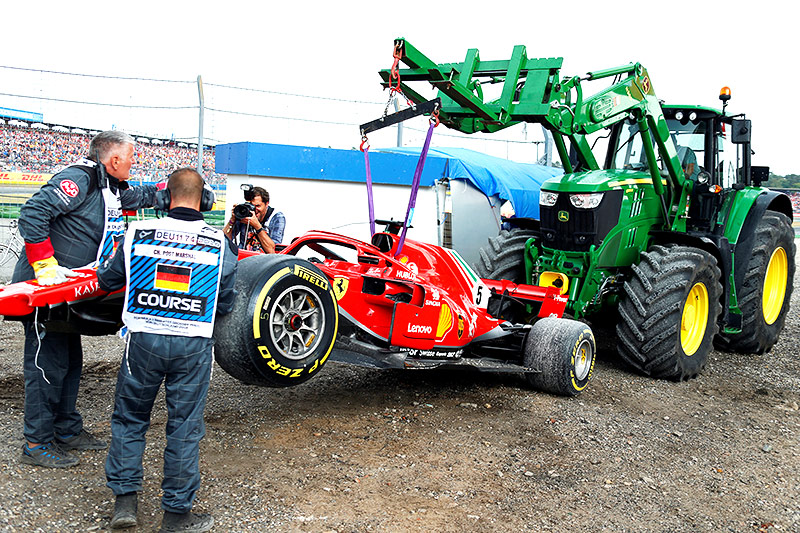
(412,201)
(370,200)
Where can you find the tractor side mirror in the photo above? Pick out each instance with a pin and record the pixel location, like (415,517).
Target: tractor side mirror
(740,133)
(759,175)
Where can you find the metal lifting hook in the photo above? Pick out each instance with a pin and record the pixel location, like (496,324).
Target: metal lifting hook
(395,71)
(434,118)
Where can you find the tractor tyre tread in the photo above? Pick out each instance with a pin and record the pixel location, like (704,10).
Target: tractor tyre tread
(758,337)
(651,310)
(504,256)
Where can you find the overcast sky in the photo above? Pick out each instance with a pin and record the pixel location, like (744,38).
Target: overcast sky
(332,51)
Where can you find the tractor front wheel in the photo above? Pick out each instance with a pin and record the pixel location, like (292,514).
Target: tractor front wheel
(668,312)
(767,288)
(504,258)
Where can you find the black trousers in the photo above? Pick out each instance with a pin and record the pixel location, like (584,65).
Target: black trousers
(52,370)
(183,364)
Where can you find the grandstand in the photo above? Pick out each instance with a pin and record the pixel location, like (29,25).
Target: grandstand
(36,147)
(34,150)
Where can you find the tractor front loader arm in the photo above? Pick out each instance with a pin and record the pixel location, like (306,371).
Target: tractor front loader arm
(533,92)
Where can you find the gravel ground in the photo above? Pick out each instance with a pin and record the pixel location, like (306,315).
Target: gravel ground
(363,450)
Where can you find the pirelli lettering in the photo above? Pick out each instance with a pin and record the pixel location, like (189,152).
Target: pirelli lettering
(279,368)
(311,276)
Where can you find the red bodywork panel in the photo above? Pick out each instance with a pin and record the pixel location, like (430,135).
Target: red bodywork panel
(426,298)
(21,299)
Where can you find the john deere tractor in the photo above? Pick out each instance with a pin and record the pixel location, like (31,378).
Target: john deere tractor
(670,234)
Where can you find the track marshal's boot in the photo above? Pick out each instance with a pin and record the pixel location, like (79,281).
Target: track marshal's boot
(125,511)
(186,522)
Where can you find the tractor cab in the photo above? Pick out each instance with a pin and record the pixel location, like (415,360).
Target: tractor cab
(713,151)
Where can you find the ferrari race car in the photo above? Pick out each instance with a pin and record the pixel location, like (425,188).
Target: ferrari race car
(331,297)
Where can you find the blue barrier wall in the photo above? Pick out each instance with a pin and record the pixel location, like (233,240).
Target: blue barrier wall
(284,161)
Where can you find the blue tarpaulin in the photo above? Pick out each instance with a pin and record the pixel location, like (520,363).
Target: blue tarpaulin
(518,183)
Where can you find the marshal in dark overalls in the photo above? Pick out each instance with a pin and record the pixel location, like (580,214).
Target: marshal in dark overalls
(179,273)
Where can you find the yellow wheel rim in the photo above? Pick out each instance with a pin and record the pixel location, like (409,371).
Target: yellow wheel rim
(695,319)
(775,285)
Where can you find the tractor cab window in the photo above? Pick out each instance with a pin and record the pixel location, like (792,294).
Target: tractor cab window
(629,153)
(689,137)
(728,157)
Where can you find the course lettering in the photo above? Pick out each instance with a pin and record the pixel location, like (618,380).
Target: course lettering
(170,302)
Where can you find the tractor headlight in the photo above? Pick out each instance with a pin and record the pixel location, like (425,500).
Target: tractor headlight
(547,198)
(586,201)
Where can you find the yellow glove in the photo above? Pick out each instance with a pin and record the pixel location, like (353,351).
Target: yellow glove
(49,273)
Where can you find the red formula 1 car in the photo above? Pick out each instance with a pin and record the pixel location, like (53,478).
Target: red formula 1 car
(422,308)
(331,297)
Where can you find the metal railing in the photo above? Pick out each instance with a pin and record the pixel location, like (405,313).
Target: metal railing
(11,243)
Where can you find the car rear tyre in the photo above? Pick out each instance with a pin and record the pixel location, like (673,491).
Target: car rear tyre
(283,323)
(561,353)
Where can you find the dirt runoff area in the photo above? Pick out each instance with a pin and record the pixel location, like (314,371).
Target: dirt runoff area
(363,450)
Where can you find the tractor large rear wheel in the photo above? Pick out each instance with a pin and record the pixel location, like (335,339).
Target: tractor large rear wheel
(283,323)
(767,289)
(668,312)
(504,256)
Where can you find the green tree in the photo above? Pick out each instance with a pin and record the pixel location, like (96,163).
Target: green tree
(790,181)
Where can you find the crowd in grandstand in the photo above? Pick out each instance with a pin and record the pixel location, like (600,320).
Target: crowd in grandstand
(46,151)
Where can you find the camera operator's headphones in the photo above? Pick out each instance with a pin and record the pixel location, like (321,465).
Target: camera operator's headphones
(163,199)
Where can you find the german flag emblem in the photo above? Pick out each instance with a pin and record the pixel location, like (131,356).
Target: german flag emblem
(173,278)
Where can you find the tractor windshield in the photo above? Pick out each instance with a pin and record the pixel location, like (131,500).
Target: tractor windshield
(689,136)
(629,154)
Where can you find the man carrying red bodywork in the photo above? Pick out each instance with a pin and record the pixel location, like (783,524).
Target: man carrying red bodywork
(74,220)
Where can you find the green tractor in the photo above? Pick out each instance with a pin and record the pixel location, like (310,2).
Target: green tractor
(670,234)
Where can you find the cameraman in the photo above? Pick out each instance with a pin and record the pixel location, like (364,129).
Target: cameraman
(255,225)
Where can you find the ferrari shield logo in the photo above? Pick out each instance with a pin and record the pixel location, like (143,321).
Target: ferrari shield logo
(563,216)
(460,326)
(340,287)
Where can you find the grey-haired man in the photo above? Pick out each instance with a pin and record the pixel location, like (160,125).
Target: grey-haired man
(74,220)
